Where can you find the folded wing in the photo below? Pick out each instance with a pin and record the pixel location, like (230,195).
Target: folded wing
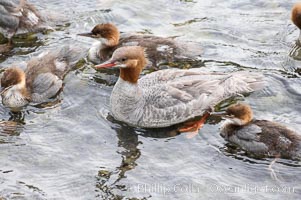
(178,95)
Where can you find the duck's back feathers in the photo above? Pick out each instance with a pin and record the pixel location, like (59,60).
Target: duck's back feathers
(280,139)
(174,96)
(45,73)
(162,50)
(46,86)
(247,137)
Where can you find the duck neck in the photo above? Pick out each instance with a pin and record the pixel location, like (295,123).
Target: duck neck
(106,47)
(130,75)
(102,49)
(132,72)
(21,86)
(109,42)
(128,88)
(240,122)
(127,101)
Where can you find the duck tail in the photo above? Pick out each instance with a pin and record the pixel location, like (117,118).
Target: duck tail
(255,81)
(243,82)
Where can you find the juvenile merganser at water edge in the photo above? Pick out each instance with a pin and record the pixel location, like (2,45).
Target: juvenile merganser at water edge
(41,80)
(159,49)
(17,15)
(167,97)
(260,137)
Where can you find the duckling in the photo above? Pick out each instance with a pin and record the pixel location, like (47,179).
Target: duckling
(42,79)
(159,49)
(260,137)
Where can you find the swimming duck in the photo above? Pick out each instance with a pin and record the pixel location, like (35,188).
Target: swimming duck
(41,80)
(16,16)
(296,17)
(171,96)
(159,49)
(260,137)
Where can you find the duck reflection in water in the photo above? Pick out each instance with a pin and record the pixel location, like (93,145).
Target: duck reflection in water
(128,141)
(11,127)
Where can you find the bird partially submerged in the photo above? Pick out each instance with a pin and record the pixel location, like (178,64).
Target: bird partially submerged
(259,137)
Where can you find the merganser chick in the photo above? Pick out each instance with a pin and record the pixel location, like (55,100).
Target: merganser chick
(41,80)
(15,16)
(296,17)
(171,96)
(260,137)
(159,49)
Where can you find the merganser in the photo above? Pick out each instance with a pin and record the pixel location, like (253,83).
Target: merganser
(171,96)
(296,17)
(41,80)
(159,49)
(17,15)
(260,137)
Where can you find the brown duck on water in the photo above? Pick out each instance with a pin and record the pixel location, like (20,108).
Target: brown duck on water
(158,49)
(260,137)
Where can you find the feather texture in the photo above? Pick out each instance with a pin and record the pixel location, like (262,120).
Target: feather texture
(168,97)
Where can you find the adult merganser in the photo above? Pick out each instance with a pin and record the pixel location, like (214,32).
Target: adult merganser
(296,17)
(159,49)
(167,97)
(17,15)
(260,137)
(41,80)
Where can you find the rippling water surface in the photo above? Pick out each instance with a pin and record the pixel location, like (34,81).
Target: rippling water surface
(75,150)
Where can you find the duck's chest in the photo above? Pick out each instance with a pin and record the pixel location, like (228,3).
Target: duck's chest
(126,102)
(14,99)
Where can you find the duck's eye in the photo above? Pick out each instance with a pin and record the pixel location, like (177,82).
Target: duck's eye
(123,59)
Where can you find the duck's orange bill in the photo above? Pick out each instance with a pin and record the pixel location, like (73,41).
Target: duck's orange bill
(105,65)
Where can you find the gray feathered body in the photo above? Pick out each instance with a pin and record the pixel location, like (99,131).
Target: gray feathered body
(264,138)
(45,73)
(158,49)
(18,15)
(172,96)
